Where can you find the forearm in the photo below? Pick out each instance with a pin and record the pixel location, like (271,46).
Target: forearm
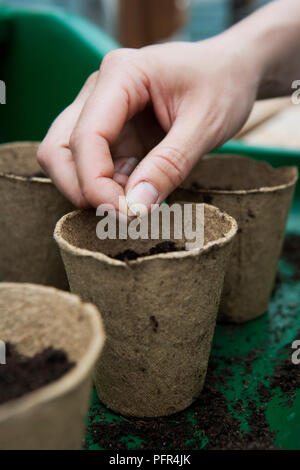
(271,40)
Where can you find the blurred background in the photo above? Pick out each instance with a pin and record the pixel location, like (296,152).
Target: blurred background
(135,23)
(48,51)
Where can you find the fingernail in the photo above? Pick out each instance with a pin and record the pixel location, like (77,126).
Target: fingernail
(127,167)
(143,194)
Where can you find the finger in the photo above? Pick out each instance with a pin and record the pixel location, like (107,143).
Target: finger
(55,157)
(125,165)
(117,96)
(127,145)
(166,166)
(120,179)
(54,154)
(123,168)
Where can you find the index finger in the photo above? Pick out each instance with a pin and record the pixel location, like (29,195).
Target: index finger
(114,100)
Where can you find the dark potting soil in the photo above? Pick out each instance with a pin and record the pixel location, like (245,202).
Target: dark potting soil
(39,174)
(223,429)
(287,375)
(291,253)
(163,247)
(23,374)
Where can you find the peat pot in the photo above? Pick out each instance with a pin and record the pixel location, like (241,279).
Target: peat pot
(159,309)
(33,318)
(259,198)
(29,209)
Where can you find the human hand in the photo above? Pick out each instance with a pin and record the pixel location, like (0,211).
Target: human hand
(164,106)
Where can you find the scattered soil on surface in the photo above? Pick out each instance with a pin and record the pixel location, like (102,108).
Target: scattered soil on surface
(265,393)
(287,375)
(222,429)
(291,253)
(22,374)
(163,247)
(211,419)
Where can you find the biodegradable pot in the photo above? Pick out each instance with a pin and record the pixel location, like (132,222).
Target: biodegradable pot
(259,198)
(159,311)
(30,207)
(32,318)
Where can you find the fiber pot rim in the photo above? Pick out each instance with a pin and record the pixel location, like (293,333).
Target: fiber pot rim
(12,176)
(72,378)
(74,250)
(260,190)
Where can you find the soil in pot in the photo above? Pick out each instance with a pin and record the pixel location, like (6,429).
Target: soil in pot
(23,374)
(53,341)
(163,247)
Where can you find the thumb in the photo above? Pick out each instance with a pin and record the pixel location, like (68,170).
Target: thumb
(165,167)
